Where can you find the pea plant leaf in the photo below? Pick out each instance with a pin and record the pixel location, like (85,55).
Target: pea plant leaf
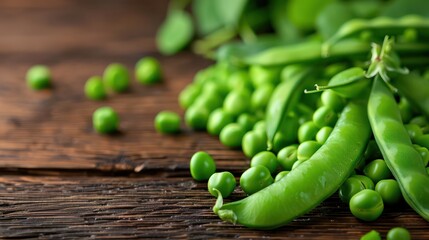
(175,33)
(206,15)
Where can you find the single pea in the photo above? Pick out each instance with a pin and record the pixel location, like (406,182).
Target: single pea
(286,134)
(281,175)
(196,118)
(239,80)
(232,135)
(307,131)
(377,170)
(261,96)
(266,159)
(237,102)
(405,109)
(255,179)
(116,77)
(365,181)
(324,116)
(148,71)
(39,77)
(202,166)
(204,75)
(253,143)
(332,100)
(224,182)
(216,88)
(371,235)
(260,126)
(398,233)
(297,163)
(105,120)
(94,88)
(210,101)
(287,156)
(389,191)
(424,153)
(307,149)
(218,119)
(414,131)
(260,75)
(366,205)
(422,140)
(188,95)
(167,122)
(420,121)
(323,134)
(349,188)
(247,121)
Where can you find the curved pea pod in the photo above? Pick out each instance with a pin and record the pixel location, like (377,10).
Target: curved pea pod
(310,183)
(349,83)
(403,160)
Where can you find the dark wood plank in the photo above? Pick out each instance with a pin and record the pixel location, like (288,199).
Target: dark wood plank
(172,206)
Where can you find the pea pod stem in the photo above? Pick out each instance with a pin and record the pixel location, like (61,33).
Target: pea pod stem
(401,157)
(309,184)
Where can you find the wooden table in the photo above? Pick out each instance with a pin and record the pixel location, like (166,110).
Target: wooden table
(59,179)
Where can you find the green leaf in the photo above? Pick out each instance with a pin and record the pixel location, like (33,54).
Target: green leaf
(332,17)
(175,33)
(230,11)
(206,16)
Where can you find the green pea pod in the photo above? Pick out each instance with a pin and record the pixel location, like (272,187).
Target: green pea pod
(403,160)
(284,99)
(310,183)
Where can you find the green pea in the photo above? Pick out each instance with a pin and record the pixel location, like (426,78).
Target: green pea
(247,121)
(237,102)
(349,188)
(307,149)
(420,121)
(414,131)
(377,170)
(389,191)
(366,205)
(424,153)
(260,126)
(405,109)
(116,77)
(422,140)
(94,88)
(202,166)
(148,71)
(214,88)
(261,96)
(266,159)
(196,118)
(307,131)
(287,156)
(253,143)
(232,135)
(365,181)
(280,175)
(188,95)
(398,233)
(371,235)
(332,100)
(324,116)
(218,119)
(210,101)
(167,122)
(105,120)
(323,134)
(286,134)
(372,151)
(39,77)
(297,163)
(224,182)
(260,75)
(255,179)
(239,80)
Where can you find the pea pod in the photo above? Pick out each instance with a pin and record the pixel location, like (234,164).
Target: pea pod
(403,160)
(310,183)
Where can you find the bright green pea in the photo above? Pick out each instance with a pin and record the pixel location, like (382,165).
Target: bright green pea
(389,191)
(405,109)
(105,120)
(287,156)
(218,119)
(116,77)
(261,96)
(237,102)
(366,205)
(148,71)
(253,143)
(255,179)
(324,116)
(202,166)
(266,159)
(213,87)
(239,80)
(398,233)
(371,235)
(39,77)
(232,135)
(247,121)
(424,153)
(286,135)
(422,140)
(188,95)
(414,131)
(365,181)
(307,131)
(264,75)
(420,121)
(332,100)
(307,149)
(210,101)
(349,188)
(167,122)
(260,126)
(297,163)
(323,134)
(94,88)
(377,170)
(281,175)
(197,117)
(224,182)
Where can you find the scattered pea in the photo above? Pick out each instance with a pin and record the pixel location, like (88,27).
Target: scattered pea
(105,120)
(196,118)
(266,159)
(39,77)
(255,179)
(398,233)
(371,235)
(116,77)
(232,135)
(253,143)
(202,166)
(94,88)
(148,70)
(224,182)
(366,205)
(167,122)
(218,119)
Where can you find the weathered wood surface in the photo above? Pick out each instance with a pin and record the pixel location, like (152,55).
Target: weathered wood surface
(59,179)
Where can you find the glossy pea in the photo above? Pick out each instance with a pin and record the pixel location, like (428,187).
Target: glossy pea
(281,175)
(148,71)
(371,235)
(202,166)
(330,99)
(167,122)
(210,101)
(232,135)
(365,181)
(287,156)
(260,75)
(224,182)
(349,188)
(307,131)
(105,120)
(307,149)
(247,121)
(239,80)
(38,77)
(188,95)
(424,153)
(253,143)
(323,134)
(260,126)
(366,205)
(398,233)
(266,159)
(255,179)
(261,96)
(94,88)
(377,170)
(414,130)
(421,121)
(237,102)
(324,116)
(197,117)
(405,109)
(389,191)
(116,77)
(422,140)
(218,119)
